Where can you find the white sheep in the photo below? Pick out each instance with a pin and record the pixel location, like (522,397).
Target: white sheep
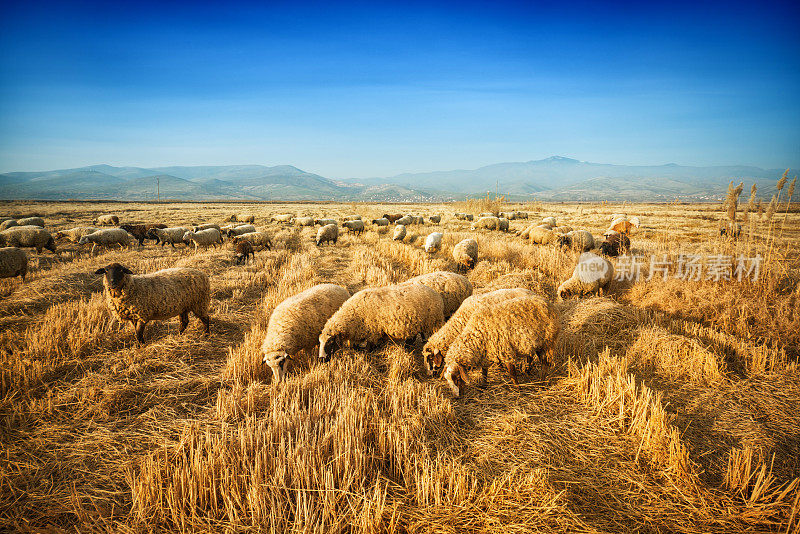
(8,223)
(13,262)
(297,322)
(355,226)
(107,220)
(578,240)
(405,220)
(329,232)
(324,222)
(302,221)
(452,287)
(156,296)
(592,274)
(207,226)
(75,234)
(543,236)
(203,238)
(282,217)
(488,222)
(465,253)
(436,347)
(522,327)
(433,242)
(383,221)
(399,313)
(549,220)
(399,232)
(28,237)
(502,224)
(31,221)
(241,230)
(107,238)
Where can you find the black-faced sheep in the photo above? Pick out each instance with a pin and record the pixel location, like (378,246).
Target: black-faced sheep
(28,237)
(592,274)
(398,313)
(241,230)
(156,296)
(524,327)
(296,324)
(243,250)
(436,347)
(433,242)
(328,233)
(13,262)
(465,253)
(452,287)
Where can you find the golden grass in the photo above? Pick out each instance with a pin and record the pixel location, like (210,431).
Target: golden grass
(674,407)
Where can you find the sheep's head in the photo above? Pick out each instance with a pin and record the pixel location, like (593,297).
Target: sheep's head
(114,274)
(454,375)
(51,244)
(329,345)
(433,359)
(278,362)
(564,241)
(562,292)
(83,240)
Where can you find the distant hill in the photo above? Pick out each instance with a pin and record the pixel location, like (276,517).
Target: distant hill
(556,178)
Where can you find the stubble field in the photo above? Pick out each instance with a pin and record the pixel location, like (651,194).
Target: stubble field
(673,406)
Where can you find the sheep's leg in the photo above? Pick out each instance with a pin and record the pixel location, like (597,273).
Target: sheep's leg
(94,245)
(529,367)
(184,321)
(206,322)
(484,376)
(512,371)
(140,331)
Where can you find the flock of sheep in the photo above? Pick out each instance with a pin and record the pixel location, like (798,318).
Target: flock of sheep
(461,330)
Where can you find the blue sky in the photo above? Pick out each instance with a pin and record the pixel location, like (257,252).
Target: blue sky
(376,89)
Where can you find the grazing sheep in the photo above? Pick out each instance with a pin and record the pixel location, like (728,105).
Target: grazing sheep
(433,242)
(355,226)
(732,230)
(525,234)
(204,226)
(241,230)
(487,214)
(106,220)
(577,240)
(502,224)
(418,219)
(543,236)
(329,232)
(156,296)
(405,220)
(521,327)
(549,220)
(351,218)
(399,313)
(622,225)
(490,223)
(8,223)
(243,250)
(615,216)
(436,347)
(107,238)
(296,324)
(522,215)
(452,287)
(13,262)
(74,234)
(28,237)
(324,222)
(141,231)
(169,235)
(383,221)
(466,253)
(562,229)
(302,221)
(592,274)
(435,219)
(31,221)
(245,218)
(615,244)
(260,240)
(392,217)
(282,217)
(203,238)
(399,232)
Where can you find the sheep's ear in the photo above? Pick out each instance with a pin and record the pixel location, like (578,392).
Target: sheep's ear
(126,270)
(437,358)
(101,270)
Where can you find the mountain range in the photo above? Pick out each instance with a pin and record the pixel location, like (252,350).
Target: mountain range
(552,179)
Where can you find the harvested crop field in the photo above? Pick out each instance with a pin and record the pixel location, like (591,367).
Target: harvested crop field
(672,407)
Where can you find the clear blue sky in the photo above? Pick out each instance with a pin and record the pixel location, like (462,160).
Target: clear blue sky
(357,90)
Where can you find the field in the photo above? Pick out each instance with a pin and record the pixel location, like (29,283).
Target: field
(673,407)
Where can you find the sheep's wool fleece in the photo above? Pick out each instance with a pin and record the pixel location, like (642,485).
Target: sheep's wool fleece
(159,295)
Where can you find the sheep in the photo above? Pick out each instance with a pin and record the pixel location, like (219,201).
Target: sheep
(433,242)
(487,214)
(392,217)
(296,324)
(204,226)
(510,215)
(324,222)
(355,226)
(9,223)
(622,225)
(418,219)
(615,244)
(243,250)
(203,238)
(282,217)
(74,234)
(399,313)
(302,221)
(562,229)
(502,224)
(156,296)
(464,216)
(169,235)
(106,220)
(399,232)
(141,231)
(31,221)
(436,347)
(435,219)
(521,327)
(404,220)
(329,232)
(615,216)
(452,287)
(262,240)
(466,253)
(245,218)
(489,223)
(13,262)
(28,237)
(549,220)
(578,240)
(107,237)
(240,230)
(592,274)
(383,221)
(525,234)
(543,236)
(351,218)
(522,215)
